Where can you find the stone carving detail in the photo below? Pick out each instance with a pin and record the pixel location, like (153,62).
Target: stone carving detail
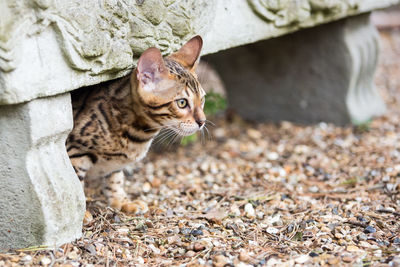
(103,35)
(14,20)
(288,12)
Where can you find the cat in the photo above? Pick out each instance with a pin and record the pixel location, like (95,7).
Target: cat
(116,122)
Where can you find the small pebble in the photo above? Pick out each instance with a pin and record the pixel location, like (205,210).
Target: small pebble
(362,236)
(325,229)
(146,187)
(302,259)
(334,261)
(196,232)
(155,250)
(190,254)
(284,196)
(249,211)
(272,230)
(220,132)
(149,224)
(156,183)
(391,187)
(272,156)
(347,259)
(27,258)
(352,248)
(73,255)
(198,246)
(365,244)
(378,253)
(335,211)
(123,231)
(181,251)
(117,219)
(395,262)
(135,207)
(253,133)
(235,210)
(140,260)
(362,219)
(185,231)
(45,261)
(369,229)
(173,239)
(244,256)
(260,215)
(313,254)
(88,218)
(220,261)
(338,235)
(313,189)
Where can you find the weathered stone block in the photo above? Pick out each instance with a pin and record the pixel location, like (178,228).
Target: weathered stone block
(320,74)
(42,201)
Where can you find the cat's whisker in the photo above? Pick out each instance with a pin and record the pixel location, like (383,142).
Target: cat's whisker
(170,138)
(173,139)
(182,134)
(167,137)
(202,136)
(208,133)
(210,122)
(162,133)
(166,130)
(164,136)
(160,127)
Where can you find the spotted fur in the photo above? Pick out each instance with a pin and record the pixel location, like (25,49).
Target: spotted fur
(116,122)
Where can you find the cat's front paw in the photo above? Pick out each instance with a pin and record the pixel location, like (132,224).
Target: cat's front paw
(135,207)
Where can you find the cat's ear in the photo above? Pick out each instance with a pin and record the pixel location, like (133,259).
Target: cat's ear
(189,52)
(150,67)
(154,84)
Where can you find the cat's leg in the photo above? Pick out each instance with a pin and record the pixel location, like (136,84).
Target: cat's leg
(81,166)
(114,189)
(117,197)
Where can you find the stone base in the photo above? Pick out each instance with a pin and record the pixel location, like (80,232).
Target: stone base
(319,74)
(42,201)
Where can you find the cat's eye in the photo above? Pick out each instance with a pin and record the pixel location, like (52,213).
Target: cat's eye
(182,103)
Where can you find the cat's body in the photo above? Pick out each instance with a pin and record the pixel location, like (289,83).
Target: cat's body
(115,122)
(107,130)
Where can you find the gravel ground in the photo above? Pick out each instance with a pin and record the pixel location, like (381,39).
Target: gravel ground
(258,195)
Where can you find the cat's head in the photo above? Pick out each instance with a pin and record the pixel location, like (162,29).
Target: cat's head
(169,89)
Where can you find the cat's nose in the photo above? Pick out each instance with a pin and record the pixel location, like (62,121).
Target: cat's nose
(200,123)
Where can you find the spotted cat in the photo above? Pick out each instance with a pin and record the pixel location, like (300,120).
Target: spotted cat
(116,122)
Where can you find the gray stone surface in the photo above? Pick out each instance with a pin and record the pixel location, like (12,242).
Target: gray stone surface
(49,47)
(42,201)
(319,74)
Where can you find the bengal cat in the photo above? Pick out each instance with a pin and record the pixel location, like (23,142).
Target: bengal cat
(116,122)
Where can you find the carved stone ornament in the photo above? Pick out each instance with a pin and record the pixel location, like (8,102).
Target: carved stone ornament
(102,35)
(287,12)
